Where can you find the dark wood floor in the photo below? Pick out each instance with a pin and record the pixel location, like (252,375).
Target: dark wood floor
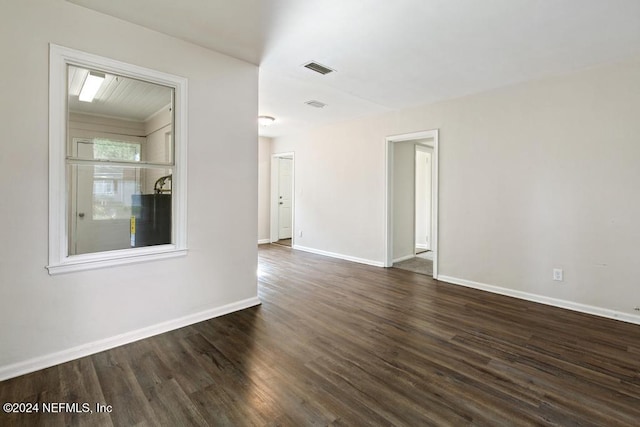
(337,343)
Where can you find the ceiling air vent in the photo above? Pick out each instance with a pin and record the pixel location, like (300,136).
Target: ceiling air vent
(318,68)
(316,104)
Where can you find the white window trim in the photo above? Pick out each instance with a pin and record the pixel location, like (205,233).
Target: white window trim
(59,260)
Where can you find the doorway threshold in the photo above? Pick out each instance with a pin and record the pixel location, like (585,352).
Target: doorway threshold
(283,242)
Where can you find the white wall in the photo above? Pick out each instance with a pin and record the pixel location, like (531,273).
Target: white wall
(403,200)
(88,126)
(534,176)
(264,188)
(42,314)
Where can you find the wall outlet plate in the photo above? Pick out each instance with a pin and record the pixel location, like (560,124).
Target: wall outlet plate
(558,274)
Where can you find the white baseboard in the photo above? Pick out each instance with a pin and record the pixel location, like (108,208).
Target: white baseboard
(63,356)
(263,241)
(569,305)
(339,256)
(423,246)
(404,258)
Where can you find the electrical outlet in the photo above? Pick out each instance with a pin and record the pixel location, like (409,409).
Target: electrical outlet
(300,233)
(558,274)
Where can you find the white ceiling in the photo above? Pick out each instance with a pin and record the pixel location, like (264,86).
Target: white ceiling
(391,54)
(119,97)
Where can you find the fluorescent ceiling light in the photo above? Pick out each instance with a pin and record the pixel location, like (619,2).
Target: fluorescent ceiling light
(265,120)
(90,86)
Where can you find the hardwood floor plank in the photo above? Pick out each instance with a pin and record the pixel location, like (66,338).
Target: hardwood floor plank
(79,383)
(121,389)
(172,406)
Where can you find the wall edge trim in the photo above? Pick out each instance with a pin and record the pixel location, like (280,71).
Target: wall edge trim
(555,302)
(339,256)
(56,358)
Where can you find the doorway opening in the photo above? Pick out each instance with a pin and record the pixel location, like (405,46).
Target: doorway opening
(282,199)
(412,202)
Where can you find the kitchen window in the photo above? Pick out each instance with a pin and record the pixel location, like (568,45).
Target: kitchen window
(117,190)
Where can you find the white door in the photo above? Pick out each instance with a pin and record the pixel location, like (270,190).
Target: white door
(285,181)
(100,204)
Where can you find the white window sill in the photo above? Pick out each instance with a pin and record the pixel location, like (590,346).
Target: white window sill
(115,258)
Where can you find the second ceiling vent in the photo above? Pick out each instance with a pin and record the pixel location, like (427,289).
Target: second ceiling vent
(318,68)
(316,104)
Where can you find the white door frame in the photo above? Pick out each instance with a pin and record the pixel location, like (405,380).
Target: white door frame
(275,178)
(389,141)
